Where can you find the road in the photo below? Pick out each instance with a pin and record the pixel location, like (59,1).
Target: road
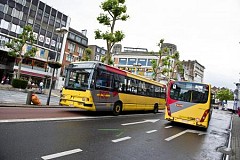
(82,135)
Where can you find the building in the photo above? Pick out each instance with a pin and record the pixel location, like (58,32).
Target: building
(14,15)
(193,71)
(138,60)
(97,52)
(76,43)
(135,60)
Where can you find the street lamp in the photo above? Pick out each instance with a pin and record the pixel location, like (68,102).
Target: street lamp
(59,31)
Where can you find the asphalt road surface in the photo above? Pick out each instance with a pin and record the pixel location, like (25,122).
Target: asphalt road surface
(138,136)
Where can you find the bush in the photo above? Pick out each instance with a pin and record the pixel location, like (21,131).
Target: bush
(19,83)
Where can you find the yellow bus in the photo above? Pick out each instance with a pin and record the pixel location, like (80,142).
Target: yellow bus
(94,86)
(189,103)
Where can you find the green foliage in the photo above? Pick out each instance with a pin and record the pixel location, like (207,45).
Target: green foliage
(54,64)
(87,55)
(224,94)
(164,65)
(19,83)
(115,10)
(16,46)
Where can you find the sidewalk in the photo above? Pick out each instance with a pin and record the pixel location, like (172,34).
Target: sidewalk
(10,96)
(235,138)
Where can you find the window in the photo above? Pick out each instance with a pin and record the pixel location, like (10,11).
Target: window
(72,36)
(78,79)
(143,62)
(80,51)
(13,28)
(1,7)
(122,61)
(30,21)
(84,42)
(19,30)
(78,39)
(97,58)
(69,57)
(103,52)
(131,61)
(104,80)
(71,47)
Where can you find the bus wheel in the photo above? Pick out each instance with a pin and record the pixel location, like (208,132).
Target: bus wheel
(117,109)
(155,110)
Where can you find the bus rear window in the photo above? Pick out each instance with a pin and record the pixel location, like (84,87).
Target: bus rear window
(189,92)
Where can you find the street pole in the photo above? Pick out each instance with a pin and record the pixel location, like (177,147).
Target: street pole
(59,31)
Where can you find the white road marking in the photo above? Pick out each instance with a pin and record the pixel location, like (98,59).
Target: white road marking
(61,154)
(64,118)
(121,139)
(151,131)
(168,127)
(150,120)
(183,132)
(43,119)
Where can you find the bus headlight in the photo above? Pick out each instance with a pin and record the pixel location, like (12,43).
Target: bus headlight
(85,99)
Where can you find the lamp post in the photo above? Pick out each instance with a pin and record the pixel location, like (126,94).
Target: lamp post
(59,31)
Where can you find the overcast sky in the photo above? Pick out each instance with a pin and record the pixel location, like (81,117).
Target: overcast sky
(204,30)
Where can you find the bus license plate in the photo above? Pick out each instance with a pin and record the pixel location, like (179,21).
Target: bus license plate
(185,121)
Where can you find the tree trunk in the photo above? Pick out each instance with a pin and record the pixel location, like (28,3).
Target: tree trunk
(19,67)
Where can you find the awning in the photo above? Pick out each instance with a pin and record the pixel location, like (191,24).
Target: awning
(33,74)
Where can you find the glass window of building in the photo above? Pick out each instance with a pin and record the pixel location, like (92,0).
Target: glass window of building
(9,11)
(142,61)
(13,28)
(71,47)
(78,39)
(1,7)
(97,58)
(4,24)
(84,42)
(19,30)
(131,61)
(72,36)
(103,52)
(98,49)
(80,51)
(122,61)
(32,13)
(5,9)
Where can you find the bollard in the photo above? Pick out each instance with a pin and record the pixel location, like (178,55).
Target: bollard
(29,97)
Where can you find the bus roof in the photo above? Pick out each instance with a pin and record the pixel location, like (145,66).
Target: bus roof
(119,71)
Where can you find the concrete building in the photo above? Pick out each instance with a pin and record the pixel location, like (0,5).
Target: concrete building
(97,52)
(193,71)
(14,15)
(135,60)
(138,60)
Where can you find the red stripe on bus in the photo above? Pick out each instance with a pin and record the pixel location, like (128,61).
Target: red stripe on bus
(116,70)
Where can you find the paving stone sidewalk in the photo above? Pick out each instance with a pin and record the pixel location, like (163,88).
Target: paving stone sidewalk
(235,139)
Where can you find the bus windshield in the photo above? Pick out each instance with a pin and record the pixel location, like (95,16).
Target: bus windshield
(78,79)
(189,92)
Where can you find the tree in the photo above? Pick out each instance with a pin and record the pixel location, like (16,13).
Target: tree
(176,66)
(16,46)
(161,66)
(114,11)
(87,55)
(224,94)
(164,65)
